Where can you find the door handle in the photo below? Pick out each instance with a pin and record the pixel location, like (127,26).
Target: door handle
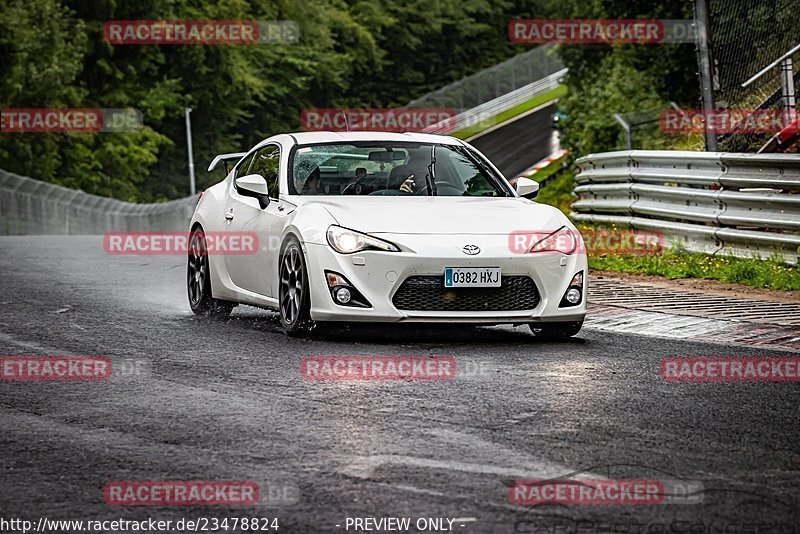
(229,214)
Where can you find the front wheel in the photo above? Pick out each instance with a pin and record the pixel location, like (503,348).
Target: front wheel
(294,302)
(198,280)
(561,330)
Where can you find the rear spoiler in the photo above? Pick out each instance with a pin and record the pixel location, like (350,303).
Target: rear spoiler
(225,158)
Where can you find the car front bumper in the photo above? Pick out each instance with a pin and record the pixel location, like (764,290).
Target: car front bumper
(377,275)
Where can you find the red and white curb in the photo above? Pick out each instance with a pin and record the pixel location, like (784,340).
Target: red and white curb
(531,172)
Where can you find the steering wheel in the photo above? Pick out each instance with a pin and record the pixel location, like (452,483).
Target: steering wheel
(350,185)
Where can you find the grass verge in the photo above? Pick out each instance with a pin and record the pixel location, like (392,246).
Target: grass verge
(519,109)
(753,272)
(673,264)
(557,191)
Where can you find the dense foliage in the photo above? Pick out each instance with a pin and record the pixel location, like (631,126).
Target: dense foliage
(625,78)
(351,53)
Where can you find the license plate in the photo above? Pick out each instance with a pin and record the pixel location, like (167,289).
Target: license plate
(472,277)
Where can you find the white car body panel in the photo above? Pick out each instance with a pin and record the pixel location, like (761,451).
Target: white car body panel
(430,231)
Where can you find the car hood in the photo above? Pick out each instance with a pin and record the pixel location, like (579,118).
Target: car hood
(441,215)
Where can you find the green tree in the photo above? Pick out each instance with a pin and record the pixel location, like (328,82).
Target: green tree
(618,78)
(351,53)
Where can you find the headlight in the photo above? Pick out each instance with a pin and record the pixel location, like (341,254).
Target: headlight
(562,240)
(347,241)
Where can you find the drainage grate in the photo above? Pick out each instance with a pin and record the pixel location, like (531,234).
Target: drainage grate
(652,297)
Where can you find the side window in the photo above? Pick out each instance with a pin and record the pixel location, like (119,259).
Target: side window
(241,168)
(266,164)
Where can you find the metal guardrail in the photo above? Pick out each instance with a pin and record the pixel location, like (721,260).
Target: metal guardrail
(485,113)
(495,81)
(32,207)
(717,203)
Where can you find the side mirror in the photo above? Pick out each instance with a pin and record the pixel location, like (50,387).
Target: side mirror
(253,185)
(527,188)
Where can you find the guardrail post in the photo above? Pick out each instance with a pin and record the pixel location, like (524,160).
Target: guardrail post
(704,62)
(626,127)
(787,84)
(189,149)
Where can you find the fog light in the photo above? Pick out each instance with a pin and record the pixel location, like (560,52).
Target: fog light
(573,296)
(343,295)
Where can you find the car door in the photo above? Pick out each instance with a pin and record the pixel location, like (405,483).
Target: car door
(243,214)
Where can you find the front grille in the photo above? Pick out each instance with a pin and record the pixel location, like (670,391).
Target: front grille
(427,293)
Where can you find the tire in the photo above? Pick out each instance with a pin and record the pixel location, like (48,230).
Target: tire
(562,330)
(294,300)
(198,280)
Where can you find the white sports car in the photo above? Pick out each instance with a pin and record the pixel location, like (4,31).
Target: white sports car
(372,226)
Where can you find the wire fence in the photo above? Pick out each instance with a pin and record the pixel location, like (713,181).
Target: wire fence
(489,84)
(746,36)
(32,207)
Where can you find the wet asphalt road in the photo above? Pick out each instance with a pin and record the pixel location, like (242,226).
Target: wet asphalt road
(224,400)
(520,144)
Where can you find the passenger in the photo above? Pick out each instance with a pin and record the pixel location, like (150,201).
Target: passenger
(313,184)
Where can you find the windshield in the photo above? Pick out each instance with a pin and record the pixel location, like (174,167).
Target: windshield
(397,169)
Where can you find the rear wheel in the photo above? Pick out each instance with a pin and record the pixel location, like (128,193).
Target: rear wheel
(198,280)
(561,330)
(294,302)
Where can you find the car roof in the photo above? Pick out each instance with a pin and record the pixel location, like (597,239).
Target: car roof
(310,138)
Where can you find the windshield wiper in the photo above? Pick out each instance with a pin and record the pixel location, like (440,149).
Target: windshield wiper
(483,165)
(431,176)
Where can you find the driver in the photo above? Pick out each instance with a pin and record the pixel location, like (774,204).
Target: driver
(313,184)
(403,175)
(417,166)
(408,185)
